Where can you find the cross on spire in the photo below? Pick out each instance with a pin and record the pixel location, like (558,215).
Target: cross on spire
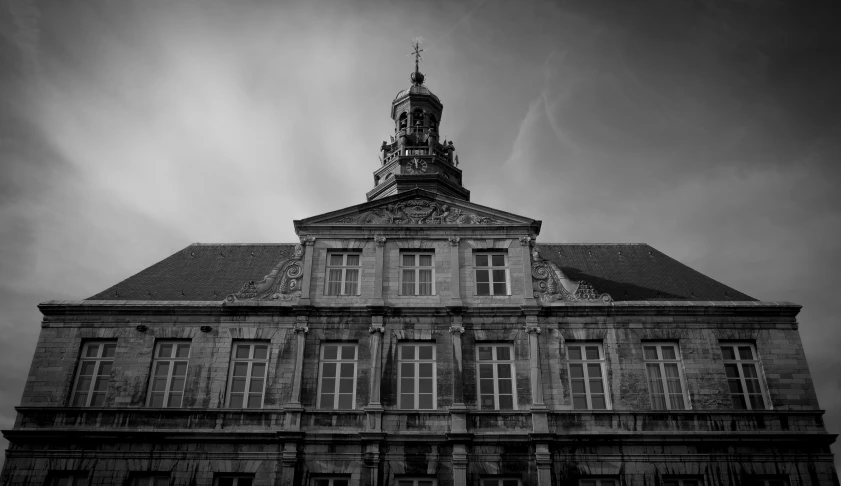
(416,51)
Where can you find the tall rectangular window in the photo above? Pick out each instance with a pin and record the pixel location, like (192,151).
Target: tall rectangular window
(496,376)
(417,274)
(150,480)
(586,376)
(68,479)
(337,372)
(682,482)
(169,372)
(491,273)
(665,379)
(598,482)
(416,384)
(331,482)
(416,482)
(742,368)
(501,482)
(93,374)
(234,480)
(343,273)
(247,382)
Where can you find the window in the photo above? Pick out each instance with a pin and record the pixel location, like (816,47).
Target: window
(403,120)
(598,482)
(491,273)
(416,386)
(343,274)
(742,368)
(337,385)
(501,482)
(665,381)
(93,374)
(248,375)
(68,479)
(768,481)
(496,376)
(331,482)
(417,275)
(234,480)
(151,480)
(681,482)
(169,371)
(586,376)
(416,482)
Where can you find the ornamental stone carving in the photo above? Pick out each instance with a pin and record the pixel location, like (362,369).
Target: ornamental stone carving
(454,240)
(418,211)
(282,283)
(552,285)
(380,240)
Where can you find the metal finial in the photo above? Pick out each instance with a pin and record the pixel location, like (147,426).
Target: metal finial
(416,50)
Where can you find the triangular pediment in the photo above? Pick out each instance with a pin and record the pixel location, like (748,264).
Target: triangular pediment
(418,208)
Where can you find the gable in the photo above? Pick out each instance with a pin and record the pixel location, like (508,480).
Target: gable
(417,207)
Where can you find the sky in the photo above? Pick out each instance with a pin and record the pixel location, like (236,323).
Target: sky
(707,129)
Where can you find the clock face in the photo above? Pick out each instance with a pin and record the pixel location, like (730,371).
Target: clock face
(416,166)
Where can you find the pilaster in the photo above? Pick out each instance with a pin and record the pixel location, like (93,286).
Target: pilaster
(377,300)
(375,409)
(455,272)
(526,242)
(293,408)
(309,249)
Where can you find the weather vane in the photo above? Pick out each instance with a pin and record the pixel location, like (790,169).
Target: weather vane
(417,50)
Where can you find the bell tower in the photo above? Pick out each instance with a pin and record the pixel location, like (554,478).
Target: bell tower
(416,157)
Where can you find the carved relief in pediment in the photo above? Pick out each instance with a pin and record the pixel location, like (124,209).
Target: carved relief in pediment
(552,285)
(282,283)
(418,211)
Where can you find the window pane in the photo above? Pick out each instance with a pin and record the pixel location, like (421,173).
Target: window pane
(650,352)
(408,352)
(353,260)
(348,352)
(592,352)
(503,352)
(425,260)
(483,289)
(183,351)
(165,351)
(485,353)
(745,353)
(425,352)
(425,402)
(226,481)
(408,260)
(499,276)
(93,351)
(506,402)
(574,352)
(242,351)
(345,402)
(669,352)
(599,403)
(351,282)
(498,260)
(482,276)
(500,289)
(481,260)
(728,353)
(261,351)
(408,286)
(108,350)
(179,368)
(331,351)
(336,260)
(425,370)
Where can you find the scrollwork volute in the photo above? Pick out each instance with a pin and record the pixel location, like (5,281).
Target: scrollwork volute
(551,285)
(282,283)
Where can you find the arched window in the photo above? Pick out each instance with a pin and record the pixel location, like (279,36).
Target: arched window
(404,120)
(433,122)
(417,116)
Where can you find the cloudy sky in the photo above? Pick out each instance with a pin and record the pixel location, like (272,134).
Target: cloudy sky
(708,129)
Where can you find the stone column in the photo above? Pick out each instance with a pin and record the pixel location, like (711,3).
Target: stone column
(455,272)
(539,411)
(459,465)
(309,249)
(375,409)
(543,458)
(526,242)
(378,272)
(294,408)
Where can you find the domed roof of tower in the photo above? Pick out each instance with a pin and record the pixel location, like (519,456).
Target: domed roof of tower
(416,89)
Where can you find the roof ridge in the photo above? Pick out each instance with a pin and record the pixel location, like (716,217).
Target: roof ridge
(242,244)
(600,244)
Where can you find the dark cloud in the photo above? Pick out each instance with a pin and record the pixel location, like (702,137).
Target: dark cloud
(708,129)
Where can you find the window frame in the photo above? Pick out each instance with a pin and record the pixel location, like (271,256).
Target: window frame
(343,268)
(76,478)
(661,363)
(499,481)
(740,363)
(599,481)
(235,477)
(249,377)
(149,479)
(172,360)
(778,480)
(490,268)
(416,269)
(415,480)
(330,480)
(417,361)
(495,362)
(682,481)
(98,360)
(584,362)
(337,377)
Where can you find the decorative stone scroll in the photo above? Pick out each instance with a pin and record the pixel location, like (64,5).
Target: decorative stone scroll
(551,285)
(418,211)
(282,283)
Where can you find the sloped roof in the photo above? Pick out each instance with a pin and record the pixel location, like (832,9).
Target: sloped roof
(625,271)
(200,272)
(630,271)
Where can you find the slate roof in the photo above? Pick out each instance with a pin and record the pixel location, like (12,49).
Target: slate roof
(625,271)
(630,271)
(200,272)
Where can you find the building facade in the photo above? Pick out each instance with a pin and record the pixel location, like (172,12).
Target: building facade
(419,339)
